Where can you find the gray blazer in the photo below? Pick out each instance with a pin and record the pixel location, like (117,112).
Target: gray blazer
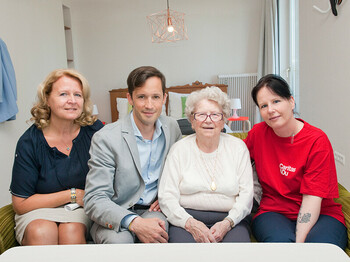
(114,182)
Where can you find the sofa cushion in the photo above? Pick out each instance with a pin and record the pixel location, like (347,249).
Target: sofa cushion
(7,225)
(239,135)
(344,200)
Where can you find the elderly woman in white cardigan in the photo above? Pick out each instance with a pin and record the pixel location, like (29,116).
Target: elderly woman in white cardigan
(206,189)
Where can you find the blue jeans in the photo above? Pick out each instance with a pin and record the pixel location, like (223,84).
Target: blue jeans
(274,227)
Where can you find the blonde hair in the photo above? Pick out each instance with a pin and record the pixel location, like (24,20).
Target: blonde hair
(212,93)
(41,112)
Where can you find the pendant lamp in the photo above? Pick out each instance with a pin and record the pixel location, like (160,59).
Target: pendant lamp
(167,26)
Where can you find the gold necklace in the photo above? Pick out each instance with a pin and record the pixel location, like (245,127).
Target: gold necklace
(212,184)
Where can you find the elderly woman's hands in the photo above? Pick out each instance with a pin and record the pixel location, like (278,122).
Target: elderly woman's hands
(202,234)
(199,231)
(220,229)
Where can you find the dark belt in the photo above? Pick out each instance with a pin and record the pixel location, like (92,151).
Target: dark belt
(137,206)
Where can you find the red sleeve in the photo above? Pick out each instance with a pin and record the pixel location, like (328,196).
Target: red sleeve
(320,177)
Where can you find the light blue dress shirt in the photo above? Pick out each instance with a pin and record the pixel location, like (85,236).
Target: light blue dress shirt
(150,152)
(8,88)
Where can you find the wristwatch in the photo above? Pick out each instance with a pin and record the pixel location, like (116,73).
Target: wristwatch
(232,224)
(73,195)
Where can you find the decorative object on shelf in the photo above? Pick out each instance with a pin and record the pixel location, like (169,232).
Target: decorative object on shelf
(94,110)
(167,26)
(235,105)
(331,5)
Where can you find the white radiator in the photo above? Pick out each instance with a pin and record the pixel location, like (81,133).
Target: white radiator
(240,86)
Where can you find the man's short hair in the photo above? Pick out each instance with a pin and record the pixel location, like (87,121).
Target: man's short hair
(139,76)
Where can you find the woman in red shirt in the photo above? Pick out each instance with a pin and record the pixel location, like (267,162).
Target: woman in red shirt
(295,166)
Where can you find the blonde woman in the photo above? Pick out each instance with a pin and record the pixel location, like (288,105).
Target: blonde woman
(50,164)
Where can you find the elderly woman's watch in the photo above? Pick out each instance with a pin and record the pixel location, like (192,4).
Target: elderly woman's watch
(73,195)
(232,224)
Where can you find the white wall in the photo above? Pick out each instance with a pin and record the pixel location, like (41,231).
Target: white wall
(36,44)
(325,75)
(111,38)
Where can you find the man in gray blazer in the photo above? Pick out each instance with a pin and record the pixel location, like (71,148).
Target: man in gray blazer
(127,159)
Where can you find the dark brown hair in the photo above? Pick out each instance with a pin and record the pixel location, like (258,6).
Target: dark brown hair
(275,83)
(138,77)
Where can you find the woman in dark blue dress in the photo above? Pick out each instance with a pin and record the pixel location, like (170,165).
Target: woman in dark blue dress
(51,163)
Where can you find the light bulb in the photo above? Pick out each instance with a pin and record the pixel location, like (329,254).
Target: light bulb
(170,28)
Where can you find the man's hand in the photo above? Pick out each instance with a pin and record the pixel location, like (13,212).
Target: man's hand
(220,229)
(155,207)
(199,231)
(149,230)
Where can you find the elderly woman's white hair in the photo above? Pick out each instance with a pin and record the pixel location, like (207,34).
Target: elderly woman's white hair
(210,93)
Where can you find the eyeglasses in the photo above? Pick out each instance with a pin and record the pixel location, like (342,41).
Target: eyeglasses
(215,117)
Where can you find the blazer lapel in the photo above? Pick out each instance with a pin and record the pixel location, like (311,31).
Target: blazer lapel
(128,135)
(167,137)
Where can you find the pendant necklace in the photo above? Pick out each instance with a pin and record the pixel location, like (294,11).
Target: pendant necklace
(212,184)
(67,146)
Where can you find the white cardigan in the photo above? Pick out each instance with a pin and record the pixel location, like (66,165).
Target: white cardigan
(185,182)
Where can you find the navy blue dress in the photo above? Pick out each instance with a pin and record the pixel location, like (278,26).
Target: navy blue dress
(41,169)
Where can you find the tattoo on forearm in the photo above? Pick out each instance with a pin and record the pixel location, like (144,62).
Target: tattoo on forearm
(304,218)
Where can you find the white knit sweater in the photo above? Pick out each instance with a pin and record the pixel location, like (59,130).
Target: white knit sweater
(185,182)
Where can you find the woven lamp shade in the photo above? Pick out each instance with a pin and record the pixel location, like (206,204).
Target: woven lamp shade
(167,26)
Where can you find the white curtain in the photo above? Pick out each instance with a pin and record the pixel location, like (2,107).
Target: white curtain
(268,62)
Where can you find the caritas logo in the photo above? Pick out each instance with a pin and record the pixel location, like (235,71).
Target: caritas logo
(286,169)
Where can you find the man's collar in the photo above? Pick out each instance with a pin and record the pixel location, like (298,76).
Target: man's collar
(157,131)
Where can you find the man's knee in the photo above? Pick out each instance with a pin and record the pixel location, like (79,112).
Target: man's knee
(102,235)
(156,214)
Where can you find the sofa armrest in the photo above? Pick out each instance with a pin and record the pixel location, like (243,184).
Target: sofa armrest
(7,228)
(344,200)
(239,135)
